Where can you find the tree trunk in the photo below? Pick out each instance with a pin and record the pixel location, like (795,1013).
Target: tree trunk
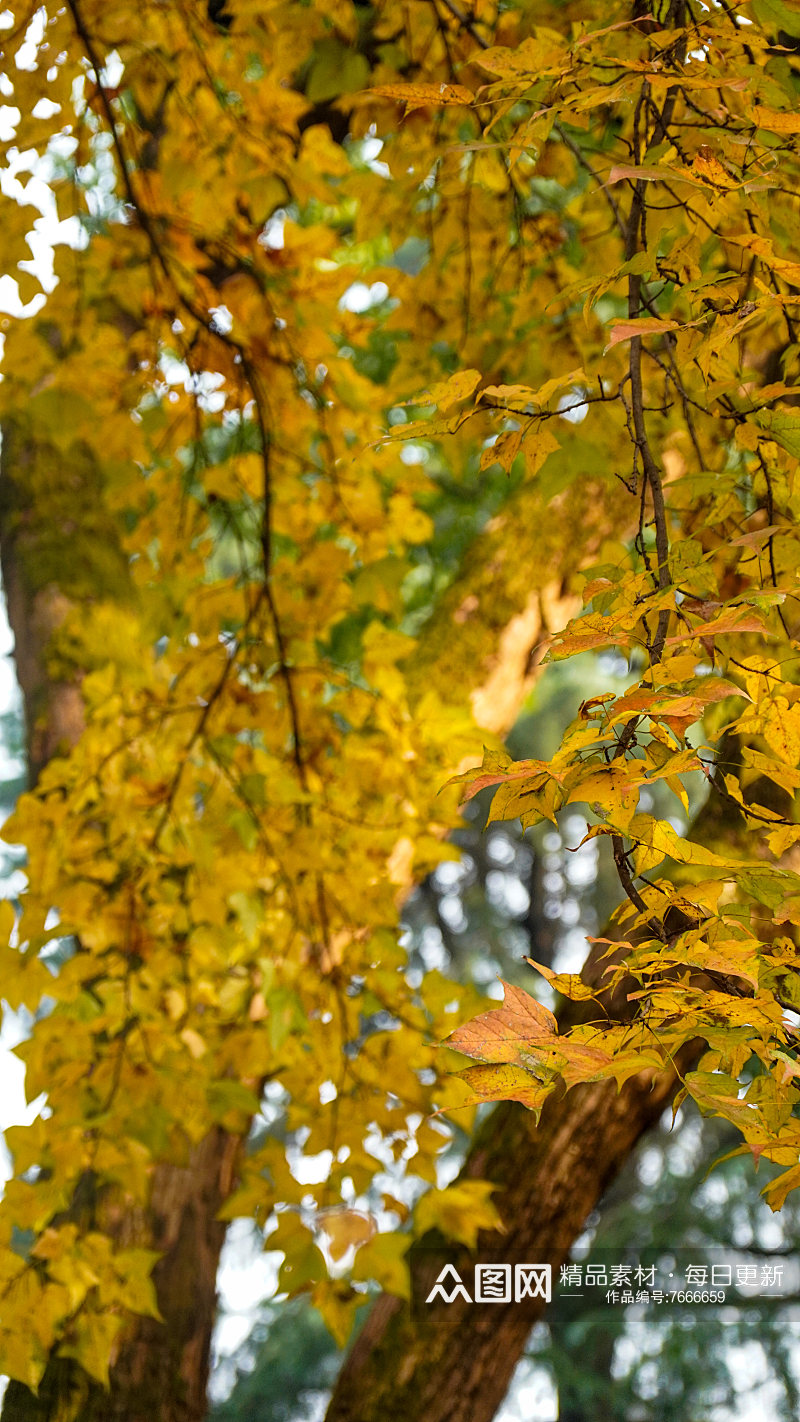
(60,552)
(51,501)
(550,1178)
(161,1366)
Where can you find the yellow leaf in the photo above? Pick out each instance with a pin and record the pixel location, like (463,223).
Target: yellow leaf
(194,1042)
(383,1259)
(94,1335)
(776,120)
(449,392)
(782,729)
(460,1211)
(337,1304)
(423,96)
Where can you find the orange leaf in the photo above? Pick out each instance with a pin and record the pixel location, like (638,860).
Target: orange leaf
(522,770)
(643,326)
(501,1035)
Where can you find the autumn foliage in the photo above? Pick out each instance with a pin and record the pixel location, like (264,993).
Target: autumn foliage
(325,267)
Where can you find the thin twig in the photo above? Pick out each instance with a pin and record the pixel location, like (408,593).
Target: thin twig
(465,21)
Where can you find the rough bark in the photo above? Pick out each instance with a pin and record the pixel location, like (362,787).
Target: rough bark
(549,1178)
(60,552)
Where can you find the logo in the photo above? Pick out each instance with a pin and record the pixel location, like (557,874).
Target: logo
(457,1291)
(493,1284)
(533,1281)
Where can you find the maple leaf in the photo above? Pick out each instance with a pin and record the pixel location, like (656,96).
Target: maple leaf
(501,1035)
